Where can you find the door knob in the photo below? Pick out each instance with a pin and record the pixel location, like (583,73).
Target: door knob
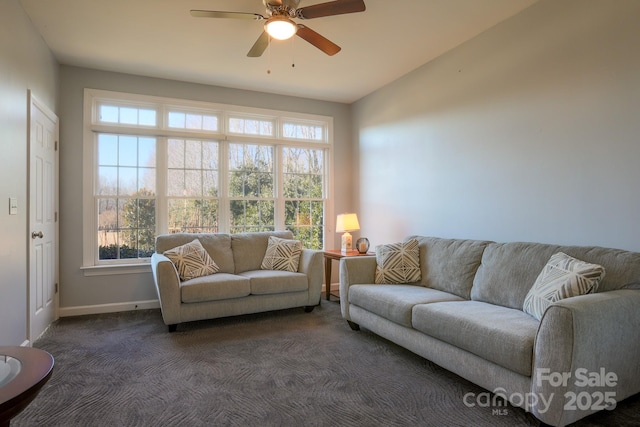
(38,234)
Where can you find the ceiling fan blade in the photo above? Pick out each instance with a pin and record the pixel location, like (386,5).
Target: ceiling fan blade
(338,7)
(259,46)
(220,14)
(325,45)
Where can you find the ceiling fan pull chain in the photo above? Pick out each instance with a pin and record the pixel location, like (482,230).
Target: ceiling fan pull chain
(293,52)
(269,56)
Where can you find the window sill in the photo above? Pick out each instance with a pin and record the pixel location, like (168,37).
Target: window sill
(108,270)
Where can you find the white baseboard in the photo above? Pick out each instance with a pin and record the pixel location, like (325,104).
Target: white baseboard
(126,306)
(108,308)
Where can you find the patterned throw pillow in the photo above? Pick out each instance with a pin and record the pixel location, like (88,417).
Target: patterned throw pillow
(191,260)
(398,263)
(282,254)
(561,278)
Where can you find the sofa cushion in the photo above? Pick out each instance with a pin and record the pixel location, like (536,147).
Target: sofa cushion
(398,262)
(249,248)
(508,270)
(217,245)
(562,277)
(395,302)
(449,264)
(215,287)
(501,335)
(191,260)
(282,254)
(275,282)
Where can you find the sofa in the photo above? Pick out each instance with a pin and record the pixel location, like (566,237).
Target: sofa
(466,313)
(239,283)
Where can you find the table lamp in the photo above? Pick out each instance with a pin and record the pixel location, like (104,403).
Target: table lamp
(345,223)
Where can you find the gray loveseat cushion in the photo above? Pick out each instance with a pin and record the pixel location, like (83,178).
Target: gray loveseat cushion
(249,249)
(395,302)
(276,282)
(501,335)
(218,246)
(214,287)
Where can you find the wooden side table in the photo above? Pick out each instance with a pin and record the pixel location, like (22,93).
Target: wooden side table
(329,256)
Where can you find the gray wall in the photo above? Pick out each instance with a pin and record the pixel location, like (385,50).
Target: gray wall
(25,64)
(77,290)
(530,131)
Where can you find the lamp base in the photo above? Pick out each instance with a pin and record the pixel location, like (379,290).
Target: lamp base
(347,243)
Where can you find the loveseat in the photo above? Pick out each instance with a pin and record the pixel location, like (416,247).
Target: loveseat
(240,283)
(465,313)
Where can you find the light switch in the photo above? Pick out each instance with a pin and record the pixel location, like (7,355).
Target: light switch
(13,206)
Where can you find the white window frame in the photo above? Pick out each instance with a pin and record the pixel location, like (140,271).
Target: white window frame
(92,127)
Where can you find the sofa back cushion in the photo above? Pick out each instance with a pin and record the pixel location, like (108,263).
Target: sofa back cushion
(249,248)
(449,265)
(509,270)
(217,245)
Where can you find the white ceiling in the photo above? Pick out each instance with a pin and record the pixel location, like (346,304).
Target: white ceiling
(159,38)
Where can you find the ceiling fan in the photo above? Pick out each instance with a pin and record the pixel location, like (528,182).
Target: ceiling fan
(280,25)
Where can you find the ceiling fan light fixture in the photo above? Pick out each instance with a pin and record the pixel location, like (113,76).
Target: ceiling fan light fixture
(280,27)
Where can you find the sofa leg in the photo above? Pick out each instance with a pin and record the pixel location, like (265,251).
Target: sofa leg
(309,308)
(353,325)
(172,328)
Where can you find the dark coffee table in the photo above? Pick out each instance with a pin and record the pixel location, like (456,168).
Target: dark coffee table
(23,372)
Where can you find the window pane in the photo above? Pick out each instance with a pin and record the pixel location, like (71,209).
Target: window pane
(304,219)
(210,123)
(303,131)
(177,120)
(147,117)
(127,181)
(193,154)
(251,171)
(127,115)
(193,121)
(107,149)
(193,183)
(108,114)
(107,181)
(252,215)
(175,182)
(126,164)
(175,153)
(251,126)
(193,216)
(127,151)
(192,168)
(126,228)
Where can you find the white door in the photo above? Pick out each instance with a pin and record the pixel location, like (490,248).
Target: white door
(43,218)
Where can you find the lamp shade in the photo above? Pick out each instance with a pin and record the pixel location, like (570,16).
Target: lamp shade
(347,222)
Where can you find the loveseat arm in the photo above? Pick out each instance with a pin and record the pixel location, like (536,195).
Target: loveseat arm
(586,355)
(311,266)
(165,277)
(354,271)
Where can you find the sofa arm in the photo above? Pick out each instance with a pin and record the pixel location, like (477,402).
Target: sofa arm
(165,277)
(354,271)
(311,265)
(586,355)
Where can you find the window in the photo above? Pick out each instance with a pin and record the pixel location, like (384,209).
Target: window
(156,165)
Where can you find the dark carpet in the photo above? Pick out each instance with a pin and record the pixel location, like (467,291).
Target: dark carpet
(285,368)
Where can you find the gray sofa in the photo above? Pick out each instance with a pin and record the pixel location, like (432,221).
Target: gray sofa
(466,315)
(240,286)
